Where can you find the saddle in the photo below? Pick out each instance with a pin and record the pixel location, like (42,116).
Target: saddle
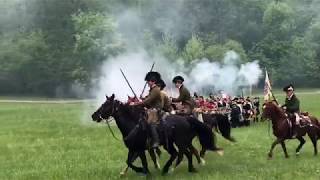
(304,120)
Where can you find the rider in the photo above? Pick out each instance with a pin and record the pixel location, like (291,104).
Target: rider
(292,103)
(165,101)
(184,96)
(153,103)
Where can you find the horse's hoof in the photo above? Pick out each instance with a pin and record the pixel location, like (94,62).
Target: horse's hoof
(220,152)
(123,174)
(193,170)
(202,162)
(142,174)
(164,172)
(297,153)
(269,156)
(172,169)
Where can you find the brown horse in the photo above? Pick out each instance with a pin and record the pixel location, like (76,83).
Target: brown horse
(282,129)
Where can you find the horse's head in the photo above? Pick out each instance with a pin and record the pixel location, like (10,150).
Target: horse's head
(106,110)
(271,109)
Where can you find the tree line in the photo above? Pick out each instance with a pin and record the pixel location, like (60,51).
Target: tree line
(51,47)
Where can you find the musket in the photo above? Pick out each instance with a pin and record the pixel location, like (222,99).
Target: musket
(135,95)
(145,85)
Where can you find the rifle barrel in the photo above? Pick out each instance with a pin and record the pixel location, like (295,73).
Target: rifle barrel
(135,95)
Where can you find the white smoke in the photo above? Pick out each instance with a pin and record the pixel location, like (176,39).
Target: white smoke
(226,76)
(134,66)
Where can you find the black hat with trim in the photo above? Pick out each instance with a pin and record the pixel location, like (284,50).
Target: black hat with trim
(288,88)
(178,79)
(161,84)
(153,76)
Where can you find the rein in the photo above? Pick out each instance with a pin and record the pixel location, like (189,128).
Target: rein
(110,129)
(269,127)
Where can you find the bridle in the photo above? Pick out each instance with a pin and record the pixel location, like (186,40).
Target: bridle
(108,122)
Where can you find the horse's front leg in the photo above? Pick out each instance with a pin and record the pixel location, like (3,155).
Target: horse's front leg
(173,155)
(132,156)
(144,162)
(189,156)
(154,158)
(277,141)
(283,145)
(195,152)
(203,152)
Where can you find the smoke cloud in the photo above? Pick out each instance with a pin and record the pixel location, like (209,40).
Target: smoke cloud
(204,76)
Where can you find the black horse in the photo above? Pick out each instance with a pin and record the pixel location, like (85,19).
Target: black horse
(136,149)
(176,130)
(218,122)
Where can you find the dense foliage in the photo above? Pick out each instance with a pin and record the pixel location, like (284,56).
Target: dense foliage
(52,47)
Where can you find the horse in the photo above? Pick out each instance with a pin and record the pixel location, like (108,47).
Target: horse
(176,130)
(282,129)
(135,151)
(219,122)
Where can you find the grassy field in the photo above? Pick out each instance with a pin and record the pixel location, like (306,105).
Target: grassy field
(59,141)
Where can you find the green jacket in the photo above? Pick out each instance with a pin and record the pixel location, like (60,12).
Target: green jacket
(153,100)
(184,97)
(293,104)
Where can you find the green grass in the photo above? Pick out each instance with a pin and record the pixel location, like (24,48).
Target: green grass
(59,141)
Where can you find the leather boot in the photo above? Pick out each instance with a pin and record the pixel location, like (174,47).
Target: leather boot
(132,133)
(154,136)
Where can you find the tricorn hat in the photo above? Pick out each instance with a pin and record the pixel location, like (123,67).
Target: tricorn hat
(161,84)
(152,76)
(177,79)
(288,88)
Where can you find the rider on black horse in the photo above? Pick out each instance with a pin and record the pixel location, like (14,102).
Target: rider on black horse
(165,100)
(153,103)
(184,96)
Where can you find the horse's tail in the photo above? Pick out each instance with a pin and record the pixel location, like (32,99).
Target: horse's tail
(224,127)
(315,120)
(206,136)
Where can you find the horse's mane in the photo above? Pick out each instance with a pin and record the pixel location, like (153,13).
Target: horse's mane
(275,109)
(130,111)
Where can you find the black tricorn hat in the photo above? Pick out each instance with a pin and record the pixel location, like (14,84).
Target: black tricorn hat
(152,76)
(288,88)
(177,78)
(161,84)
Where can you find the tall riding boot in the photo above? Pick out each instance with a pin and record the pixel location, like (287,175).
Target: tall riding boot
(154,136)
(132,133)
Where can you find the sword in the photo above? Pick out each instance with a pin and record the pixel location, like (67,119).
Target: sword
(135,95)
